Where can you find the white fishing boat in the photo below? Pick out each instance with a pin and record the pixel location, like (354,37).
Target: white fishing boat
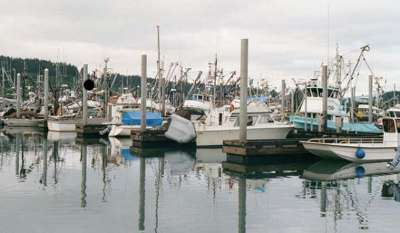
(62,124)
(359,149)
(260,126)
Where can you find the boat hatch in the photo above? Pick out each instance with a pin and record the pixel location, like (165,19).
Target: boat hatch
(391,125)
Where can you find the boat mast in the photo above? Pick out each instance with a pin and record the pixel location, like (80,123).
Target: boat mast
(338,68)
(161,94)
(215,79)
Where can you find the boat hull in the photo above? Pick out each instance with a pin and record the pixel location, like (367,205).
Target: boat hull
(22,122)
(373,152)
(61,126)
(215,137)
(122,130)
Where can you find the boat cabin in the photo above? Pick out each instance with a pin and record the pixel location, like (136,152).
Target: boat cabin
(391,129)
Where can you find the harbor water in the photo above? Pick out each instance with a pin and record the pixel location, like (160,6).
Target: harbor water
(59,184)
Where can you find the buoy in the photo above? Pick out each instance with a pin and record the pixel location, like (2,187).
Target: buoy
(360,171)
(88,84)
(360,153)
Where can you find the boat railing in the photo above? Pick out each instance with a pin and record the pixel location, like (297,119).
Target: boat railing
(347,140)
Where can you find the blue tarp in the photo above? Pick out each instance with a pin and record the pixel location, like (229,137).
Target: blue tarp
(126,153)
(134,118)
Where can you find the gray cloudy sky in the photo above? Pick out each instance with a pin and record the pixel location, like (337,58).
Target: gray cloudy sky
(288,38)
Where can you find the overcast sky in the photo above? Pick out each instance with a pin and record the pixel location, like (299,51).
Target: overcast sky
(287,38)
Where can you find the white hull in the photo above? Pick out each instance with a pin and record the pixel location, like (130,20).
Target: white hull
(122,130)
(61,125)
(373,151)
(22,122)
(214,136)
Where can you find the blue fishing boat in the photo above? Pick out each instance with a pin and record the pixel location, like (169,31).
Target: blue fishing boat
(336,114)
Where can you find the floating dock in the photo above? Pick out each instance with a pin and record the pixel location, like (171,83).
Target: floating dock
(154,137)
(264,147)
(92,129)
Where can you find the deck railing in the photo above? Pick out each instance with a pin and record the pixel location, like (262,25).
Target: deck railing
(347,140)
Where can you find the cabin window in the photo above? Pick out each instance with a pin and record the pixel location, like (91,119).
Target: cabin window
(389,126)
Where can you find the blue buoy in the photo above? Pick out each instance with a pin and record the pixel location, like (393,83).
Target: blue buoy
(360,153)
(360,171)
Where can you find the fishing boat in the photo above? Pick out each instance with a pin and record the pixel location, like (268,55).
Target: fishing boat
(358,149)
(126,120)
(260,126)
(335,111)
(22,122)
(62,123)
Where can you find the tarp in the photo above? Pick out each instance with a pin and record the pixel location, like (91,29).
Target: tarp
(127,154)
(134,118)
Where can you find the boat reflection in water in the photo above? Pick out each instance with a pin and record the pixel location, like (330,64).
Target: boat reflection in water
(346,187)
(110,186)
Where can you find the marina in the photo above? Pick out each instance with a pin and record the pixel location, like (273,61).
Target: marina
(274,116)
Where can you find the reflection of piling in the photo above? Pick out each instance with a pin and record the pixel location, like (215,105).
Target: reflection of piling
(143,92)
(46,95)
(244,54)
(323,199)
(242,205)
(83,180)
(17,148)
(44,175)
(370,184)
(19,95)
(142,193)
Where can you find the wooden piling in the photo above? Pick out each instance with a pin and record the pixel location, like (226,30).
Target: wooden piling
(324,77)
(18,95)
(370,98)
(143,92)
(283,102)
(244,55)
(46,94)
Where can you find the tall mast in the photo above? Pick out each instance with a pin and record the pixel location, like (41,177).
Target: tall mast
(338,68)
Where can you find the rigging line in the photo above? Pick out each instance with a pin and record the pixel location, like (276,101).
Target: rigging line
(366,63)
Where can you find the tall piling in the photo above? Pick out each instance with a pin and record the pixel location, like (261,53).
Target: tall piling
(161,81)
(324,77)
(143,92)
(46,94)
(352,100)
(18,95)
(244,60)
(305,110)
(84,97)
(283,102)
(371,78)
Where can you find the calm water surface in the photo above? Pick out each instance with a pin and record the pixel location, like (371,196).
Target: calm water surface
(49,184)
